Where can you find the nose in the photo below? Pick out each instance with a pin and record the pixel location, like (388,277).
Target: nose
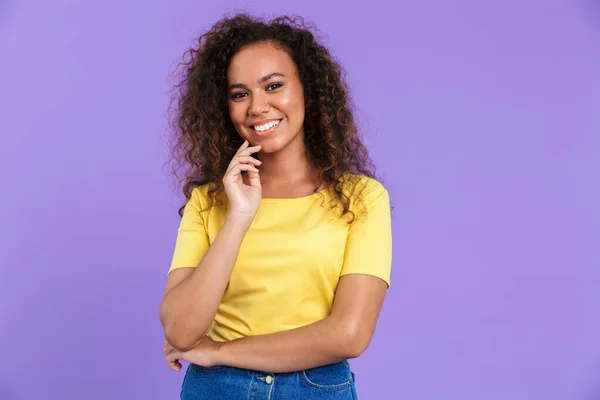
(259,105)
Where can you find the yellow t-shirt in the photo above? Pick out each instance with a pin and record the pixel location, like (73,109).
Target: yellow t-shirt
(291,258)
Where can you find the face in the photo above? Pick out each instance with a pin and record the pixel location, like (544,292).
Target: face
(266,98)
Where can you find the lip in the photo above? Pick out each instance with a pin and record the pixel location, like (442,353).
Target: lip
(268,131)
(264,121)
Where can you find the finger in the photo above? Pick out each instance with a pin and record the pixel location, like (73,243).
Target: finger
(167,348)
(168,351)
(254,179)
(243,146)
(248,160)
(173,356)
(237,170)
(175,365)
(243,160)
(249,150)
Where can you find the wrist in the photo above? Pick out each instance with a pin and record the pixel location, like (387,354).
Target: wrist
(220,353)
(239,221)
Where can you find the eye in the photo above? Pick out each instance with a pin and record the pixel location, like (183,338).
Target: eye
(238,95)
(274,86)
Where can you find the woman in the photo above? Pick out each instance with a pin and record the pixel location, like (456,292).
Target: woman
(283,254)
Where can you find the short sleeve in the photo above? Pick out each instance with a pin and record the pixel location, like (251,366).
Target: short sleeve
(369,242)
(192,238)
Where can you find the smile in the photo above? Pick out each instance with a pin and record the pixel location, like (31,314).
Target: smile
(266,128)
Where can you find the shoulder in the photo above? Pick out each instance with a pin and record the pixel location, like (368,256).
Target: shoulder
(201,195)
(363,189)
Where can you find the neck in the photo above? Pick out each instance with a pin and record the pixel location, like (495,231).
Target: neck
(290,164)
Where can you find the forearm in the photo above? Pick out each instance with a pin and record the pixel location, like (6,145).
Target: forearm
(323,342)
(189,308)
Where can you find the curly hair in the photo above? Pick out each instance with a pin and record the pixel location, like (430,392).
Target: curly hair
(205,139)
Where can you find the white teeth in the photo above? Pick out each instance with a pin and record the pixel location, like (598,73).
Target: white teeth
(268,125)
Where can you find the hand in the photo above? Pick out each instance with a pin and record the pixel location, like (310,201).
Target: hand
(205,354)
(172,361)
(244,199)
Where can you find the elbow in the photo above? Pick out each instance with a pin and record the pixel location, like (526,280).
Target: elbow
(179,337)
(180,341)
(356,342)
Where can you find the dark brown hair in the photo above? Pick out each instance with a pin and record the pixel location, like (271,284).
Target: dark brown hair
(205,140)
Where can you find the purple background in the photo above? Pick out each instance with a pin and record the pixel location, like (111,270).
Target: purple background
(482,116)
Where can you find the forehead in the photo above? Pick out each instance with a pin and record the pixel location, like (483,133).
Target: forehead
(255,61)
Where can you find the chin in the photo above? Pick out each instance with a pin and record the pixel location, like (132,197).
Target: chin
(270,144)
(269,148)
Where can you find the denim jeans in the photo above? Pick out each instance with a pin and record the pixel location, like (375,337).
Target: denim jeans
(329,382)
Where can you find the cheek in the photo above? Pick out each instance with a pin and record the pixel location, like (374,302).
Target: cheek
(293,105)
(236,114)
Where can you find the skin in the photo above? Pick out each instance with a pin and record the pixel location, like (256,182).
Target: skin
(265,85)
(192,295)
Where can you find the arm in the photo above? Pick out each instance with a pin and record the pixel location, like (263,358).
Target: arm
(193,295)
(347,331)
(344,334)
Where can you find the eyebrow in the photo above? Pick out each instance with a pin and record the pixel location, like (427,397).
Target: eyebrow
(261,80)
